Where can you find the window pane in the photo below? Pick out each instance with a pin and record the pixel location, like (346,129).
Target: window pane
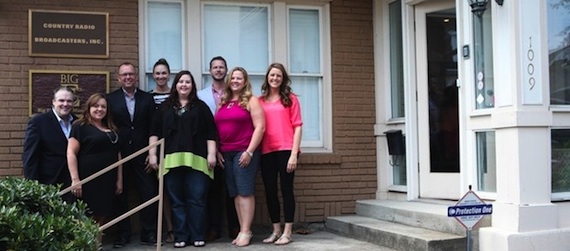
(558,15)
(164,34)
(484,81)
(560,141)
(486,162)
(239,34)
(396,60)
(304,41)
(398,163)
(308,91)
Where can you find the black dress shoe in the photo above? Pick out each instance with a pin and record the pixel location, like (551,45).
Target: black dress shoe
(149,241)
(120,242)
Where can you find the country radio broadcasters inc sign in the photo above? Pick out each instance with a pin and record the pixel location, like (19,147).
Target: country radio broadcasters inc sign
(68,34)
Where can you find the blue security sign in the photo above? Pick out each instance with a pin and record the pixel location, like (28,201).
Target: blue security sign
(469,210)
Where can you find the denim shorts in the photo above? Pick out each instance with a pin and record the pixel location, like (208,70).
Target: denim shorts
(240,180)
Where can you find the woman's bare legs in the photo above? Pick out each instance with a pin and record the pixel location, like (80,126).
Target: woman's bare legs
(245,207)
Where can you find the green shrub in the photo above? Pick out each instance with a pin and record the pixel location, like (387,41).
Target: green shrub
(34,217)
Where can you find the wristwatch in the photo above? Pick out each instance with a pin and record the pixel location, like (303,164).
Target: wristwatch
(249,153)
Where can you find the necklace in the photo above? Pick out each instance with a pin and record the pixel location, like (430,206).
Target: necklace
(230,104)
(113,137)
(181,110)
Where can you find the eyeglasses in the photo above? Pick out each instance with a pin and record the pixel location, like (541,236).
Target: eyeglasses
(127,74)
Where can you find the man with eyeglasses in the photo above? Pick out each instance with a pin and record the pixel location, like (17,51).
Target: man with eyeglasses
(132,110)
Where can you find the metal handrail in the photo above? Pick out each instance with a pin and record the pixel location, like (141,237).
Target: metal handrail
(143,205)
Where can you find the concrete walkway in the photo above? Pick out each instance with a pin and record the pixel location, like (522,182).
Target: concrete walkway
(315,239)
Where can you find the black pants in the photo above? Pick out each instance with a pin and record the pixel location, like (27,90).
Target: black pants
(146,186)
(216,196)
(274,165)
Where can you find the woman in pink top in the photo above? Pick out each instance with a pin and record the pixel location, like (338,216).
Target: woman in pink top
(240,124)
(280,148)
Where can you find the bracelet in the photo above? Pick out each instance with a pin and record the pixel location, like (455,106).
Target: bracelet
(249,153)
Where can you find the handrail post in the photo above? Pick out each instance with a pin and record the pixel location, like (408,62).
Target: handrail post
(161,198)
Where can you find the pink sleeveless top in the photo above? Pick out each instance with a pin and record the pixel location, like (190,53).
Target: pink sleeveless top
(235,127)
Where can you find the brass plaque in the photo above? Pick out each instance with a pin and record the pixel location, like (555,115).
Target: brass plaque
(68,34)
(84,83)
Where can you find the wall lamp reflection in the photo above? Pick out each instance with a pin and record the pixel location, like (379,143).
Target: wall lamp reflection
(478,7)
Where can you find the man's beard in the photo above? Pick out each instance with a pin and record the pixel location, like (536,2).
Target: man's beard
(218,79)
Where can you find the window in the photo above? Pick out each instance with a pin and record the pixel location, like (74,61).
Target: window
(558,16)
(240,34)
(486,162)
(483,41)
(162,33)
(252,35)
(396,59)
(560,143)
(305,69)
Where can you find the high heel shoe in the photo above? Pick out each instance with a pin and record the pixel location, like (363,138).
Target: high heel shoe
(272,238)
(283,240)
(243,239)
(199,244)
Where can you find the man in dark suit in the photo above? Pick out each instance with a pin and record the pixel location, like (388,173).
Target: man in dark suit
(45,145)
(132,110)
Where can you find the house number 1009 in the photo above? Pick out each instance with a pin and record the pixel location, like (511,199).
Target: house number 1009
(530,67)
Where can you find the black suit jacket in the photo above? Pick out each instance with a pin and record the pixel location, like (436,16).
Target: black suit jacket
(133,134)
(45,147)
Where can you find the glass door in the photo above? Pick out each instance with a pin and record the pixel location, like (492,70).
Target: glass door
(438,120)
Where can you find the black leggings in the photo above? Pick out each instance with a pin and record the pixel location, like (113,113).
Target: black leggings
(272,165)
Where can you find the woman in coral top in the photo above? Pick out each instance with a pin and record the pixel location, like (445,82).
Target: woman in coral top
(280,148)
(240,123)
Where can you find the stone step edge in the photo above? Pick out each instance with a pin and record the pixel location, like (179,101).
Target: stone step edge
(348,224)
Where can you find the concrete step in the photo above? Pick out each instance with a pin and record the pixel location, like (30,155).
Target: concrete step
(428,214)
(394,235)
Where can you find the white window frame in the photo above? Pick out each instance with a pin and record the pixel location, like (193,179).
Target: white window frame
(192,46)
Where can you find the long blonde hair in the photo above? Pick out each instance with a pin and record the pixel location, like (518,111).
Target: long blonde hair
(245,93)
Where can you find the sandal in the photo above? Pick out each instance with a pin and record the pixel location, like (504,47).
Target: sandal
(170,236)
(272,238)
(199,244)
(243,239)
(284,240)
(179,244)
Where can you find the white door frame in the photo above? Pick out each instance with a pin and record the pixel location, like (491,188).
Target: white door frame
(411,95)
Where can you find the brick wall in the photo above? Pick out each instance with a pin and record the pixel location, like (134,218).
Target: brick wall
(15,62)
(326,184)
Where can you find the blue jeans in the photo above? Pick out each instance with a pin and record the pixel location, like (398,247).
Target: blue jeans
(188,190)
